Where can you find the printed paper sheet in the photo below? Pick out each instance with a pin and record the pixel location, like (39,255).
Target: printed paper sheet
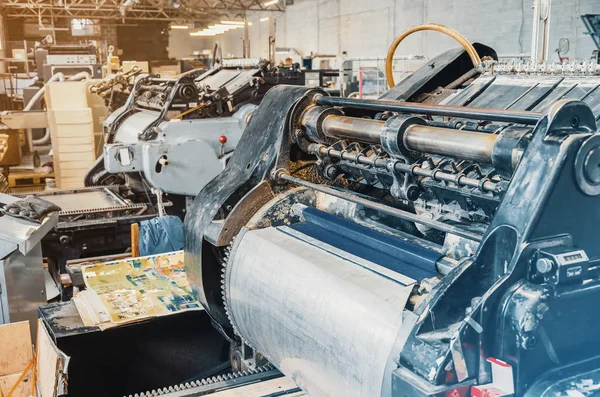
(136,288)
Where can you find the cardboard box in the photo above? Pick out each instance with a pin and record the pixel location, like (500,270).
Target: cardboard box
(16,355)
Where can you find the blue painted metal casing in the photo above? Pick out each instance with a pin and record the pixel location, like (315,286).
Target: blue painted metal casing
(392,253)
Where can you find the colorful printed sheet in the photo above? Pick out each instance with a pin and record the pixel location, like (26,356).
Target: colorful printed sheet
(136,288)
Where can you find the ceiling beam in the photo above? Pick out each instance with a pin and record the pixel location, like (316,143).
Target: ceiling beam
(197,11)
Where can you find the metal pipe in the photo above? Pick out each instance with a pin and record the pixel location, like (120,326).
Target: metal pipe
(429,26)
(468,145)
(162,80)
(499,115)
(382,208)
(364,130)
(79,76)
(459,81)
(43,140)
(115,196)
(36,97)
(473,146)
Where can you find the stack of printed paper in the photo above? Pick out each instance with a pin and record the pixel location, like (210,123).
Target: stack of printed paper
(134,289)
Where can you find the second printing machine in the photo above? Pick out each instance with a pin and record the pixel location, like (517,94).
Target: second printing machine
(171,137)
(177,134)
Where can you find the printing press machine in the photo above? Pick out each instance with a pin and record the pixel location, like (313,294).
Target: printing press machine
(437,241)
(178,133)
(415,245)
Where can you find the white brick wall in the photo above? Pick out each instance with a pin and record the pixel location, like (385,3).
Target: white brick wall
(367,27)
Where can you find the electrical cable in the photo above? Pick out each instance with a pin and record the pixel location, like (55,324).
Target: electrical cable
(428,26)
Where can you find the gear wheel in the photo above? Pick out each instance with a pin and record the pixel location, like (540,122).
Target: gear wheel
(219,381)
(224,274)
(224,292)
(225,265)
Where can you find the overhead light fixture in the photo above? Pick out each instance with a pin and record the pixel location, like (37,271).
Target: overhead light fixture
(180,27)
(265,19)
(198,34)
(235,24)
(220,28)
(270,3)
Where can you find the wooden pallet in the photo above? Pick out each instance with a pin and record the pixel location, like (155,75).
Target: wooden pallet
(23,180)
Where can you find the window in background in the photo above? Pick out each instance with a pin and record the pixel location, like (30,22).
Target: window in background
(84,27)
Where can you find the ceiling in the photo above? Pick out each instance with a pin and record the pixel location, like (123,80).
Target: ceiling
(176,11)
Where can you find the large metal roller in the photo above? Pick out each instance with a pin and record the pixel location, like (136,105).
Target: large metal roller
(467,145)
(364,130)
(474,146)
(325,318)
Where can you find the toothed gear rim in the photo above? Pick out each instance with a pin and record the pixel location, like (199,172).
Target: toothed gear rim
(225,274)
(224,267)
(214,380)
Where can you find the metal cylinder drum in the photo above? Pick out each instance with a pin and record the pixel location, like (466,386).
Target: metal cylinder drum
(312,121)
(468,145)
(393,131)
(363,130)
(508,149)
(324,318)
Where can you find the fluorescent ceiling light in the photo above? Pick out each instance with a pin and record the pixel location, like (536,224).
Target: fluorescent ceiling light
(235,24)
(270,3)
(217,28)
(196,34)
(181,27)
(265,19)
(224,27)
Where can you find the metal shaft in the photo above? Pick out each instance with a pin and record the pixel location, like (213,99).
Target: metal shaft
(437,175)
(468,145)
(500,115)
(382,208)
(473,146)
(363,130)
